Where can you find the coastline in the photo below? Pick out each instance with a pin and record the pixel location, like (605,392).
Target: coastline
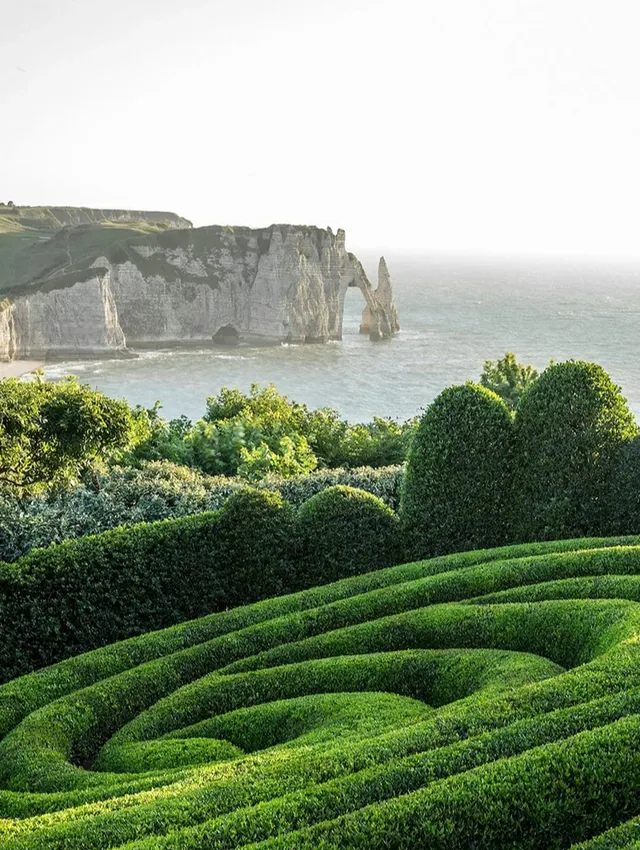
(17,368)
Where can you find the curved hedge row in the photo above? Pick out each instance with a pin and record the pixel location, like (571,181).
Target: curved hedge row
(85,593)
(487,699)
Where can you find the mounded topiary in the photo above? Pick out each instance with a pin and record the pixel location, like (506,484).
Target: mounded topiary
(624,496)
(456,485)
(570,429)
(344,531)
(258,529)
(84,593)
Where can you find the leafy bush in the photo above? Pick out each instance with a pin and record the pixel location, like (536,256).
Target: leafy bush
(265,433)
(402,708)
(384,482)
(508,378)
(623,498)
(158,490)
(50,431)
(570,429)
(456,486)
(343,531)
(84,593)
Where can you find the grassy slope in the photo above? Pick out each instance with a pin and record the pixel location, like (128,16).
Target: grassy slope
(49,246)
(487,699)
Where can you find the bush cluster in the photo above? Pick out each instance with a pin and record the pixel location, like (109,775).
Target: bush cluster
(564,464)
(266,433)
(83,593)
(403,708)
(158,490)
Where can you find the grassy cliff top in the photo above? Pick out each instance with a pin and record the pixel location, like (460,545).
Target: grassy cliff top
(36,243)
(45,248)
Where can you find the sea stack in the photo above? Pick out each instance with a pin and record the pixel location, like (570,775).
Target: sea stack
(380,317)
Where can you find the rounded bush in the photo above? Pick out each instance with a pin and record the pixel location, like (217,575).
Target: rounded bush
(456,484)
(570,428)
(344,531)
(257,529)
(624,496)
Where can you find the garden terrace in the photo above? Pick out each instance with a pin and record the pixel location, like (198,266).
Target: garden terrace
(487,699)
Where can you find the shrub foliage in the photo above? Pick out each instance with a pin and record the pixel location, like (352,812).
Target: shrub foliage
(159,490)
(570,429)
(83,593)
(456,485)
(343,531)
(487,699)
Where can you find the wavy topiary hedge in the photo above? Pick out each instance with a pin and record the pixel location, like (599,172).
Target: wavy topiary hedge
(84,593)
(487,699)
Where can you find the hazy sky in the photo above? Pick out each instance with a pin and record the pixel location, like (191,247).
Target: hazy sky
(478,125)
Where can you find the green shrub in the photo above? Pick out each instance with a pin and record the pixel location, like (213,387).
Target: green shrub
(384,482)
(344,531)
(84,593)
(570,429)
(508,378)
(158,490)
(623,498)
(457,480)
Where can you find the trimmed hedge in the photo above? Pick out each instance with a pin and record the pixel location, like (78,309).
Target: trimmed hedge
(457,482)
(85,593)
(160,490)
(400,708)
(570,427)
(343,531)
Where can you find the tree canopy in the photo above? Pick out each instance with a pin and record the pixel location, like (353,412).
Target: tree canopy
(50,431)
(508,378)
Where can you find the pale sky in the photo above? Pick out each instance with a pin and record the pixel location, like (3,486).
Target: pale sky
(417,125)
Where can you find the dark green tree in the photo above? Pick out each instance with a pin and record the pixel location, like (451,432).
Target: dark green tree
(570,429)
(457,480)
(508,378)
(50,431)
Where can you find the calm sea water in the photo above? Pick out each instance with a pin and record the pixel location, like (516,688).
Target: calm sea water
(455,312)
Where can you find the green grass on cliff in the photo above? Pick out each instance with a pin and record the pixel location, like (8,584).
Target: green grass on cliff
(484,699)
(47,247)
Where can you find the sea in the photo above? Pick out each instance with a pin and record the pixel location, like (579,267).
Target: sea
(456,311)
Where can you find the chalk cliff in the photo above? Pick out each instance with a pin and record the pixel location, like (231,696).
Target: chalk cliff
(180,285)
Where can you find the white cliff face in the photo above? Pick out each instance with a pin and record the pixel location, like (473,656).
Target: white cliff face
(283,283)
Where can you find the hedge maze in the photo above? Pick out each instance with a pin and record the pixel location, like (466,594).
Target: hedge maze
(487,699)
